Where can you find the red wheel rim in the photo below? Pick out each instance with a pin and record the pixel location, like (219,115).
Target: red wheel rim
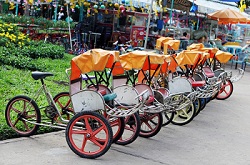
(114,123)
(148,123)
(225,90)
(25,110)
(89,135)
(62,104)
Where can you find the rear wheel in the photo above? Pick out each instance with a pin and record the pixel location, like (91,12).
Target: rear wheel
(167,117)
(84,133)
(118,125)
(131,131)
(21,114)
(184,116)
(203,103)
(64,104)
(197,104)
(151,124)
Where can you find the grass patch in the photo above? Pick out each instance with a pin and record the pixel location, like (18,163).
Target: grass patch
(19,82)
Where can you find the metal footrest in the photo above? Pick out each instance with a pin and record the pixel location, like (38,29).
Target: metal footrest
(238,76)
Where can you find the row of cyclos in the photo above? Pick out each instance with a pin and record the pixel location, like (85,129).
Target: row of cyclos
(115,98)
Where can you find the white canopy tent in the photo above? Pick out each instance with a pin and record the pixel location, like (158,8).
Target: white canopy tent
(209,6)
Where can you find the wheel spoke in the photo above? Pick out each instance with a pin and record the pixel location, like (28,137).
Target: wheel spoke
(98,130)
(114,123)
(225,92)
(166,116)
(79,132)
(16,122)
(60,104)
(128,128)
(26,126)
(185,113)
(96,142)
(87,124)
(84,143)
(176,115)
(17,111)
(149,126)
(24,105)
(152,116)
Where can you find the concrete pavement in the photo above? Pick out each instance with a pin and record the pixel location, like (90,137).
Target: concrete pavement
(219,135)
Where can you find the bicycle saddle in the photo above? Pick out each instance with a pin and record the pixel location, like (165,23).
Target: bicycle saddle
(40,75)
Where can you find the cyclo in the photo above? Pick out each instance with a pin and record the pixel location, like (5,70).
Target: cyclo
(147,66)
(211,69)
(88,132)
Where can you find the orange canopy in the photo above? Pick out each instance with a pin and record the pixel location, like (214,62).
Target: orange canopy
(171,44)
(228,16)
(161,41)
(142,60)
(195,46)
(190,57)
(223,57)
(92,60)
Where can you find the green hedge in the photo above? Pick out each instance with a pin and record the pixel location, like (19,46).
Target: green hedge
(24,58)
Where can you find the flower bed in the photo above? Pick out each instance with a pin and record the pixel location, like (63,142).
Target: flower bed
(16,49)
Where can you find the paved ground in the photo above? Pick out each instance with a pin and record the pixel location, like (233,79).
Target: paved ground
(219,135)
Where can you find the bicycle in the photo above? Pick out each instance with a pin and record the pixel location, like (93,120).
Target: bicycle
(88,123)
(24,116)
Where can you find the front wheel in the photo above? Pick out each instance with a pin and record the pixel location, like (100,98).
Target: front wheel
(22,114)
(151,124)
(226,90)
(84,133)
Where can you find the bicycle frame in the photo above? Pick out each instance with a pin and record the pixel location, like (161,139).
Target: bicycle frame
(51,102)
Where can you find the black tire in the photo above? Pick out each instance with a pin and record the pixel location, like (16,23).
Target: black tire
(167,117)
(197,104)
(95,121)
(131,131)
(20,108)
(145,118)
(222,97)
(203,103)
(184,120)
(64,103)
(120,123)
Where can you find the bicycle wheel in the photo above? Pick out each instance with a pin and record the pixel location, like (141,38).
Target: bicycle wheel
(184,116)
(167,117)
(203,103)
(151,124)
(226,90)
(131,131)
(63,102)
(21,114)
(117,125)
(85,130)
(197,104)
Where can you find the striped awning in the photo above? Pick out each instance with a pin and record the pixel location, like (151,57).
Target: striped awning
(183,5)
